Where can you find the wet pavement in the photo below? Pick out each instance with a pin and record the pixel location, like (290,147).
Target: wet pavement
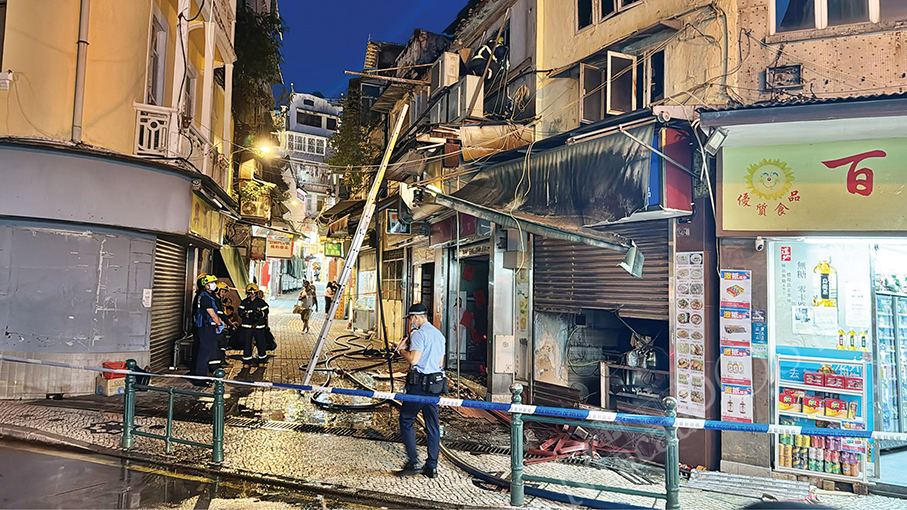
(39,477)
(282,435)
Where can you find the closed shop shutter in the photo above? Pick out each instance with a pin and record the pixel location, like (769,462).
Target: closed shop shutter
(570,276)
(167,301)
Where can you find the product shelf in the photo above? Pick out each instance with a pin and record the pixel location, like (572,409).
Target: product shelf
(822,389)
(818,417)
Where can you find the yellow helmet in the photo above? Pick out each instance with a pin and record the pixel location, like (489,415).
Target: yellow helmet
(222,286)
(205,279)
(251,288)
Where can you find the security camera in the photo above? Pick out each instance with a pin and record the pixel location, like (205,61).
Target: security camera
(760,244)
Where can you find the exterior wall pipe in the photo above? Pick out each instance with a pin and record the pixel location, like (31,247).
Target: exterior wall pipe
(78,106)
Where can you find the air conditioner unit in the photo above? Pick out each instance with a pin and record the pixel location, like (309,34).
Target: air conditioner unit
(444,72)
(460,97)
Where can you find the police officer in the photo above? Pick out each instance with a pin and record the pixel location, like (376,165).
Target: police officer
(207,323)
(254,314)
(425,352)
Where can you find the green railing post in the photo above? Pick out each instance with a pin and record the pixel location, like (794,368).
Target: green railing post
(217,454)
(672,458)
(129,406)
(516,448)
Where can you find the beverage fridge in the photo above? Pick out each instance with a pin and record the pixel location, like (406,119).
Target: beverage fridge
(891,338)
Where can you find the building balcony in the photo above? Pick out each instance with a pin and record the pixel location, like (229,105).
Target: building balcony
(157,135)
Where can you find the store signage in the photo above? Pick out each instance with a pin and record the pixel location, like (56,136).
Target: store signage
(834,186)
(333,249)
(279,249)
(689,333)
(735,335)
(258,248)
(205,220)
(475,250)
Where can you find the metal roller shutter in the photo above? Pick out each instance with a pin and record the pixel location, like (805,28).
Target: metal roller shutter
(168,295)
(571,276)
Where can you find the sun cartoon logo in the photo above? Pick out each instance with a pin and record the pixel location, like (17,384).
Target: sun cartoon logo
(769,179)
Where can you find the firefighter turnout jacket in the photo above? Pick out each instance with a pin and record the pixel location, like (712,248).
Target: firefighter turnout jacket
(254,313)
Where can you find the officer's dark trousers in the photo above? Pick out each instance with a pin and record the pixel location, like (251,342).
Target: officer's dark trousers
(256,336)
(207,350)
(408,414)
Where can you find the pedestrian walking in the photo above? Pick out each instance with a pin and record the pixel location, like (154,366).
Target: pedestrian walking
(305,308)
(207,324)
(253,311)
(314,293)
(329,293)
(424,350)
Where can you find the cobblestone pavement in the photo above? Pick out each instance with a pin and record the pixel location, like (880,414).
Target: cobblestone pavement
(261,447)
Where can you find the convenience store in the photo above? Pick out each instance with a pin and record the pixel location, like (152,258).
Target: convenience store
(810,199)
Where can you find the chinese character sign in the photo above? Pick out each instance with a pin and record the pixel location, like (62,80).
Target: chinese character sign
(835,186)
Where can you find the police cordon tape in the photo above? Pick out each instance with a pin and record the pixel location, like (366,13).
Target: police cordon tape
(554,412)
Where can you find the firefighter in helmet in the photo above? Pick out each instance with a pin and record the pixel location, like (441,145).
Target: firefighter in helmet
(253,311)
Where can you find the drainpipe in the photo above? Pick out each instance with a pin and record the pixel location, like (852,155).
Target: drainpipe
(81,56)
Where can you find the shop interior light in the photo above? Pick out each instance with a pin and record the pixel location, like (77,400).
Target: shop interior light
(715,141)
(633,262)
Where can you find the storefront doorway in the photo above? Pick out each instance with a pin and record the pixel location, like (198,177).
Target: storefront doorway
(838,321)
(468,314)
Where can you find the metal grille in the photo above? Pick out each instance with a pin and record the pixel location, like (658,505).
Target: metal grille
(571,276)
(168,294)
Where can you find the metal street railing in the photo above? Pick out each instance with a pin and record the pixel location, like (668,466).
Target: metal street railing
(672,456)
(130,430)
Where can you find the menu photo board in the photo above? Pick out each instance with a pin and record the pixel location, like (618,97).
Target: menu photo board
(735,337)
(689,333)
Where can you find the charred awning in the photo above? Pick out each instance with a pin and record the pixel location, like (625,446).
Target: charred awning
(565,186)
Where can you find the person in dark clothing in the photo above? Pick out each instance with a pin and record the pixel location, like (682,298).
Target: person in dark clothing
(253,311)
(207,324)
(329,292)
(222,299)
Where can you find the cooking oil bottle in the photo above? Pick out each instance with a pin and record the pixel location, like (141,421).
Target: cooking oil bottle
(825,285)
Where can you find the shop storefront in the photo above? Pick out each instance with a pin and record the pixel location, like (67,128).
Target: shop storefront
(817,225)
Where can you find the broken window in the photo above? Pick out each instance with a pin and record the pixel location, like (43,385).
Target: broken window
(621,89)
(583,13)
(592,81)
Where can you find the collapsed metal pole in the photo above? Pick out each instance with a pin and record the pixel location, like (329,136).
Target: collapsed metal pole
(371,203)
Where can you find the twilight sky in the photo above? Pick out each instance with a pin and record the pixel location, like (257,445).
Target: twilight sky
(327,37)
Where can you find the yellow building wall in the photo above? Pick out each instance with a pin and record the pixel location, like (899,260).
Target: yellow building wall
(692,58)
(39,101)
(116,71)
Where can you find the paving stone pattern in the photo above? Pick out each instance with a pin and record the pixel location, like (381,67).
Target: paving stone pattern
(343,461)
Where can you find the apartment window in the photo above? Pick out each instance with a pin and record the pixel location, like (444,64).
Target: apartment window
(592,85)
(583,13)
(307,119)
(609,7)
(621,91)
(308,144)
(308,102)
(157,61)
(793,15)
(890,10)
(2,29)
(392,275)
(331,124)
(191,91)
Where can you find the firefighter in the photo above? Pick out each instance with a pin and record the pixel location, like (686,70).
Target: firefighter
(254,314)
(208,324)
(222,298)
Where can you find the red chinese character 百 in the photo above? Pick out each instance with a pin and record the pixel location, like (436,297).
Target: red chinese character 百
(761,209)
(859,180)
(794,196)
(744,200)
(782,209)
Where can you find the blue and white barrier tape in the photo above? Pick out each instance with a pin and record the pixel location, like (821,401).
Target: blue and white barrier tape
(554,412)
